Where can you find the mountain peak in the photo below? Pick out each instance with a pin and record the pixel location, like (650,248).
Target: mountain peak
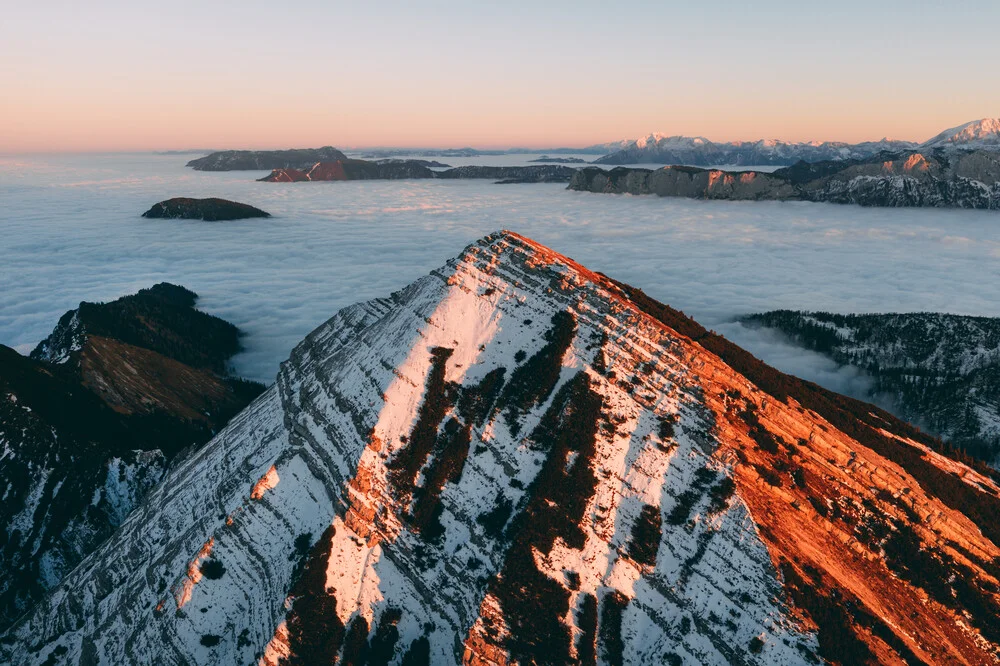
(983,133)
(518,460)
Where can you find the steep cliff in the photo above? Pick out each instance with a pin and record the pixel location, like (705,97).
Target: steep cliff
(517,460)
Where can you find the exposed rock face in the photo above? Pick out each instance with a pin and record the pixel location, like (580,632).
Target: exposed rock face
(941,371)
(346,169)
(261,160)
(961,180)
(210,210)
(517,460)
(92,421)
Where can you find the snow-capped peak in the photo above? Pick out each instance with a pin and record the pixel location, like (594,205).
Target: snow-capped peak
(517,460)
(984,133)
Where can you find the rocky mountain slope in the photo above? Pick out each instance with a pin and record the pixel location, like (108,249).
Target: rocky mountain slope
(941,371)
(209,210)
(261,160)
(941,179)
(517,460)
(93,419)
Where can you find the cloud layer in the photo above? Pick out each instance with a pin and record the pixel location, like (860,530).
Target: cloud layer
(71,231)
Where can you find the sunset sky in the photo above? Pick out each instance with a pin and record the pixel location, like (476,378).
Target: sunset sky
(137,75)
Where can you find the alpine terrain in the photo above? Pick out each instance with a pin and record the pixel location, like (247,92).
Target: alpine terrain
(939,370)
(516,460)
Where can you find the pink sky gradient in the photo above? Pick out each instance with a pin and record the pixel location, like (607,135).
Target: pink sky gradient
(122,76)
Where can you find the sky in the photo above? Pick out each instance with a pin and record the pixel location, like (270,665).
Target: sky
(131,75)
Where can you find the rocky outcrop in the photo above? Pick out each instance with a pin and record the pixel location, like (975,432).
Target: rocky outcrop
(92,421)
(209,210)
(518,460)
(941,371)
(262,160)
(346,169)
(960,180)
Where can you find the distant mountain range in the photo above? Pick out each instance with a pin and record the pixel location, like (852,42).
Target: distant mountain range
(699,151)
(655,148)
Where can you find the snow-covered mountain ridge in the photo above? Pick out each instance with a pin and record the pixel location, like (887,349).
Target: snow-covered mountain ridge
(660,148)
(517,460)
(975,135)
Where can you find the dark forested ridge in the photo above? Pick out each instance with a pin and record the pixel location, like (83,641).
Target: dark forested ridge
(93,419)
(940,371)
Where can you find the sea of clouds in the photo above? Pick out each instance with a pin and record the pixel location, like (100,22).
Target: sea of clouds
(70,230)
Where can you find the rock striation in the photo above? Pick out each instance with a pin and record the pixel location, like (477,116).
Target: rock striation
(93,420)
(518,460)
(262,160)
(209,210)
(937,179)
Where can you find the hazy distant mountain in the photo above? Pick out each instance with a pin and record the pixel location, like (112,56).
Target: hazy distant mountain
(261,160)
(699,151)
(516,460)
(938,178)
(396,169)
(378,153)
